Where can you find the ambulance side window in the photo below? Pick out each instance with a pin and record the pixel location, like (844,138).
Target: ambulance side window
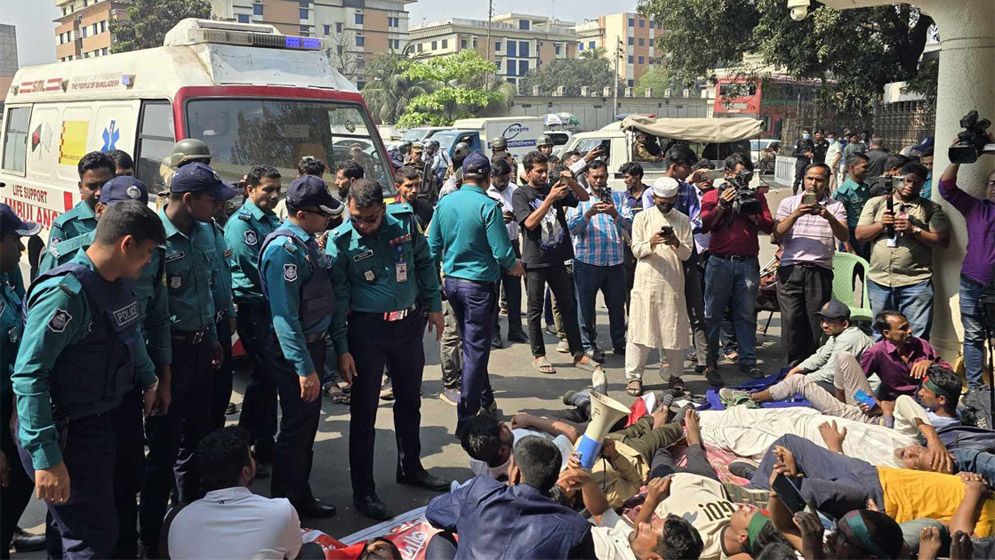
(155,142)
(15,149)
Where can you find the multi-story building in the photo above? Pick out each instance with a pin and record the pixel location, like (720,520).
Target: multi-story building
(356,30)
(8,58)
(83,27)
(629,39)
(518,43)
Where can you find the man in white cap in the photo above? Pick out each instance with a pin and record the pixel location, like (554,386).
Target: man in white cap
(661,241)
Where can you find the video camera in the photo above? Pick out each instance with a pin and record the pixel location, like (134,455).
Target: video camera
(745,203)
(972,141)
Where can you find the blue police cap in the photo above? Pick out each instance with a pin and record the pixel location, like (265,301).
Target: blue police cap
(311,192)
(11,223)
(476,164)
(198,177)
(123,188)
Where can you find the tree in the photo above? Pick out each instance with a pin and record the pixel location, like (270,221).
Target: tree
(656,80)
(465,86)
(592,69)
(149,20)
(342,55)
(854,52)
(389,89)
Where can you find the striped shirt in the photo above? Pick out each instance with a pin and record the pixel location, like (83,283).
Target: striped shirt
(811,239)
(599,241)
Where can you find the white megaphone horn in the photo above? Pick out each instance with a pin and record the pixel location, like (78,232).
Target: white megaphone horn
(604,413)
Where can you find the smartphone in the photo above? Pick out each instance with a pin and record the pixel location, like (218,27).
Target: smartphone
(606,195)
(808,198)
(788,493)
(863,398)
(667,231)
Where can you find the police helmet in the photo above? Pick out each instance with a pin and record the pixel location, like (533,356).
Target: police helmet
(189,150)
(499,143)
(460,151)
(545,141)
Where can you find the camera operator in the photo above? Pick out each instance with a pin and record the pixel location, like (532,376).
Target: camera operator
(734,214)
(977,274)
(902,230)
(882,185)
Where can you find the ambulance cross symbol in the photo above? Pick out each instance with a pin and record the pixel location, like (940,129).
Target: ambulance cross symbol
(111,136)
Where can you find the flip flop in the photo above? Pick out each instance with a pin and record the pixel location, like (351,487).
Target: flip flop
(589,366)
(543,365)
(634,388)
(675,383)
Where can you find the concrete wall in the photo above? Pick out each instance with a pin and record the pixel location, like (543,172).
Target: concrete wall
(595,112)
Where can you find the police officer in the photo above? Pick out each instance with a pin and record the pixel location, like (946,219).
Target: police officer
(545,145)
(189,150)
(245,232)
(95,169)
(81,353)
(384,279)
(224,314)
(295,281)
(192,264)
(16,487)
(498,146)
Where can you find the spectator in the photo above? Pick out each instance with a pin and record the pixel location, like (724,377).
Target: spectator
(852,146)
(841,336)
(877,156)
(409,182)
(820,146)
(503,190)
(834,158)
(230,521)
(521,520)
(539,208)
(854,193)
(808,230)
(902,231)
(803,153)
(977,274)
(926,159)
(598,227)
(632,176)
(661,241)
(732,275)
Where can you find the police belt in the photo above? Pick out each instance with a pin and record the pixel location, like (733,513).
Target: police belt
(389,316)
(315,337)
(189,337)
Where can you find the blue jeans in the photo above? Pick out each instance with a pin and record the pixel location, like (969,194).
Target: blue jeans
(972,316)
(975,461)
(915,301)
(610,280)
(732,284)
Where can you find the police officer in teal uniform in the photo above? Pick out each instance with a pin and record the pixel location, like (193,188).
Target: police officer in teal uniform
(224,313)
(192,264)
(245,232)
(95,169)
(294,277)
(14,496)
(386,282)
(80,355)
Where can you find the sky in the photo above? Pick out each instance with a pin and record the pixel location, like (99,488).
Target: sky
(36,35)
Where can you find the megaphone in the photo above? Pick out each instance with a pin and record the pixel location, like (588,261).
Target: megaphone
(604,413)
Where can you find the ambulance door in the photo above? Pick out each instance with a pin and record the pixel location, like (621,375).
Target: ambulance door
(156,137)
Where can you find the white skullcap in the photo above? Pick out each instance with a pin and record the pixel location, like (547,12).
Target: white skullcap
(666,187)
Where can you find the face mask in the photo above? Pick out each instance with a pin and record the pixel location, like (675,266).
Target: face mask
(665,207)
(806,136)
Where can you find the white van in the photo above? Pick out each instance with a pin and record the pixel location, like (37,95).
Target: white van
(253,95)
(522,133)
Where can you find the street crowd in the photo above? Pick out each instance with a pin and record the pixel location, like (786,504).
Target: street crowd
(863,442)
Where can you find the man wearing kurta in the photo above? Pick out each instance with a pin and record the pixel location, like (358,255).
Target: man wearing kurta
(661,241)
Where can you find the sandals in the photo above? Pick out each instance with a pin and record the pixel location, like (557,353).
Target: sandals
(542,365)
(634,388)
(588,365)
(336,394)
(675,383)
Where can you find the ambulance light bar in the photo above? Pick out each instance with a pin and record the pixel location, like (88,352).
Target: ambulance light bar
(199,31)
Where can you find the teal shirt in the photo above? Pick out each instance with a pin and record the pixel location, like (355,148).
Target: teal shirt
(14,280)
(365,270)
(39,351)
(223,305)
(191,272)
(853,196)
(244,233)
(469,237)
(284,293)
(81,219)
(11,329)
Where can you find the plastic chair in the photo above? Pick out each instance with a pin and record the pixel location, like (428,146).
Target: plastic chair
(845,273)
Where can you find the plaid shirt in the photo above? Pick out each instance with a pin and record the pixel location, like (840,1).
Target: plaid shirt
(600,240)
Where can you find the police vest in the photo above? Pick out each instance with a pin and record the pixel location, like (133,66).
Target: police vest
(92,375)
(316,295)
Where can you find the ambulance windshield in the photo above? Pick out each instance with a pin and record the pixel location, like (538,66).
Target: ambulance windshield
(242,133)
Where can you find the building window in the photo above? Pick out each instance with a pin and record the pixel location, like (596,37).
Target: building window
(642,23)
(523,49)
(359,19)
(304,3)
(630,59)
(95,29)
(435,45)
(642,42)
(641,60)
(632,22)
(327,29)
(652,25)
(393,22)
(305,13)
(257,9)
(580,46)
(510,68)
(420,47)
(103,51)
(103,26)
(497,46)
(474,42)
(445,43)
(556,49)
(243,18)
(360,41)
(83,30)
(462,43)
(632,41)
(523,67)
(590,44)
(631,83)
(512,48)
(498,64)
(395,44)
(524,24)
(338,27)
(305,31)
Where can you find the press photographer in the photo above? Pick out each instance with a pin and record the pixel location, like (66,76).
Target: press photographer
(734,214)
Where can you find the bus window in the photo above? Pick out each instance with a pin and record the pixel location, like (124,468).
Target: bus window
(155,143)
(15,149)
(246,132)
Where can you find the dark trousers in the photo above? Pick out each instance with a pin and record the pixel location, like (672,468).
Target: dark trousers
(629,265)
(474,305)
(129,452)
(694,302)
(298,426)
(375,343)
(87,523)
(222,377)
(169,465)
(258,415)
(663,463)
(802,290)
(646,439)
(833,483)
(15,497)
(512,295)
(561,283)
(610,281)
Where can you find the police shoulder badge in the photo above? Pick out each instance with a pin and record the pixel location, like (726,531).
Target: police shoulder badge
(250,238)
(60,320)
(290,272)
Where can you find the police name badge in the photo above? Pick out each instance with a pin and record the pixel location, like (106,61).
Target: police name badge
(250,238)
(290,272)
(401,272)
(60,320)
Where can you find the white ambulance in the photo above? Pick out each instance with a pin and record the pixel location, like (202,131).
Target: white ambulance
(253,95)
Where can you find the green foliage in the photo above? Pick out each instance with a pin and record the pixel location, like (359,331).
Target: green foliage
(389,88)
(464,86)
(657,80)
(149,20)
(592,69)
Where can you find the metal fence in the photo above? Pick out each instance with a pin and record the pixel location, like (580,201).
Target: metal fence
(900,124)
